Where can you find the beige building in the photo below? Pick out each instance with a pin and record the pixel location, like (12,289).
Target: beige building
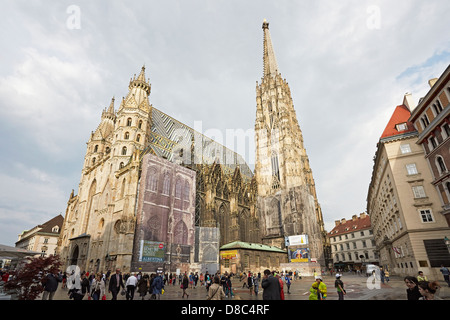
(403,205)
(42,238)
(431,118)
(352,243)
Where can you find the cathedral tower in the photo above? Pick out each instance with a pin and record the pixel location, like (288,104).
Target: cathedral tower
(287,200)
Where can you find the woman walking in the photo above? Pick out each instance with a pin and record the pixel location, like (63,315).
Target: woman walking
(185,285)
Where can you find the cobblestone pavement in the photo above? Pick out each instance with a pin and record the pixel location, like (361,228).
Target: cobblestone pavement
(357,287)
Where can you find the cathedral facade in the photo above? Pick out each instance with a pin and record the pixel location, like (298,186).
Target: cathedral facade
(99,230)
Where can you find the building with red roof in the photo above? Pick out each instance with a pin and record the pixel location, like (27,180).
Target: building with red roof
(402,203)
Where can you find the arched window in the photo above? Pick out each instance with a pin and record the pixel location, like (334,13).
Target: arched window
(140,124)
(93,161)
(441,165)
(166,184)
(126,136)
(124,151)
(138,137)
(121,165)
(129,122)
(96,148)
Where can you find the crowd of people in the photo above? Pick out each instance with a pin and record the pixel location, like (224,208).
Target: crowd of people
(274,284)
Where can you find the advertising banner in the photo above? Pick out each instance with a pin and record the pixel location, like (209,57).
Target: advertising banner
(152,251)
(230,254)
(298,240)
(299,255)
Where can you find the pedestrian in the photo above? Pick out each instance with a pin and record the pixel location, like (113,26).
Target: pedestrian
(215,291)
(229,287)
(446,273)
(386,276)
(157,286)
(51,285)
(271,286)
(185,285)
(281,284)
(318,290)
(131,286)
(339,285)
(98,288)
(412,291)
(382,275)
(421,277)
(428,290)
(115,283)
(250,282)
(288,280)
(207,281)
(195,280)
(256,284)
(143,286)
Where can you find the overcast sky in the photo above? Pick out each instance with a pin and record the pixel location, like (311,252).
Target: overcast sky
(348,65)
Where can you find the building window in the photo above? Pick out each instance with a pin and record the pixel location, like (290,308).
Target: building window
(129,122)
(425,215)
(432,142)
(411,168)
(419,192)
(138,137)
(405,148)
(401,127)
(441,165)
(425,121)
(124,151)
(446,131)
(140,124)
(126,136)
(96,148)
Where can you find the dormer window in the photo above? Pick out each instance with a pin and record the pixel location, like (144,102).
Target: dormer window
(55,229)
(402,126)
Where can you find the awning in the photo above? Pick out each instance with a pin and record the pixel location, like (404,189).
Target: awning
(7,252)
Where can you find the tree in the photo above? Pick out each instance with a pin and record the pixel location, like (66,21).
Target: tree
(27,280)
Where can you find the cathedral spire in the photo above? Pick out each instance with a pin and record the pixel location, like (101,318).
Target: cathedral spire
(270,62)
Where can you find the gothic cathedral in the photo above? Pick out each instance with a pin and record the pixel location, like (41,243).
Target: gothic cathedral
(104,220)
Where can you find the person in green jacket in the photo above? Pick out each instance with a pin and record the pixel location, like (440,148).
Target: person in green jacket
(318,290)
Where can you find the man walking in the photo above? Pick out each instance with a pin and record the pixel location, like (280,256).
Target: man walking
(50,285)
(131,286)
(271,286)
(115,283)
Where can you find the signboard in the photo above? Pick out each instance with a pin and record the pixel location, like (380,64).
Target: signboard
(299,255)
(152,251)
(298,240)
(227,255)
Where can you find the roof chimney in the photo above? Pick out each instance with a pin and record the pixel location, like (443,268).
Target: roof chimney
(337,222)
(354,217)
(409,102)
(431,82)
(343,220)
(362,215)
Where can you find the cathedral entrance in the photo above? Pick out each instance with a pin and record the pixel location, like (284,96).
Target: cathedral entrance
(74,257)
